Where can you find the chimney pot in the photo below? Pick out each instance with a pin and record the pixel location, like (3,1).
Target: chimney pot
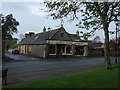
(44,29)
(77,33)
(49,29)
(31,34)
(26,35)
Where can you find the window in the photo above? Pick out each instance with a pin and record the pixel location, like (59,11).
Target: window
(36,37)
(79,50)
(62,34)
(52,49)
(68,50)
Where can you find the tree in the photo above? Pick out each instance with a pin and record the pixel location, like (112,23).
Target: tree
(95,15)
(86,35)
(11,43)
(9,26)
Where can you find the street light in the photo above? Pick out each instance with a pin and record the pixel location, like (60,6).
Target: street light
(117,23)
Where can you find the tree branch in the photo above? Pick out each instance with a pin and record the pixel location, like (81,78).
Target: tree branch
(111,14)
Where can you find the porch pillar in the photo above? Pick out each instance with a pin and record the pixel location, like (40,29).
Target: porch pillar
(73,50)
(46,51)
(65,49)
(56,50)
(85,51)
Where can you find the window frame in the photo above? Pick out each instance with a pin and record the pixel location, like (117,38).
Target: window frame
(54,50)
(70,50)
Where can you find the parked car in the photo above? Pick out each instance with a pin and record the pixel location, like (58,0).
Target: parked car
(15,51)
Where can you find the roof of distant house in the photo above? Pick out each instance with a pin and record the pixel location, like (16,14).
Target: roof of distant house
(74,37)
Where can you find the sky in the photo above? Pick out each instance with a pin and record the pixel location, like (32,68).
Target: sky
(32,17)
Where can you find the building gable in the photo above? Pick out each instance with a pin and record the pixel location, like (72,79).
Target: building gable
(61,34)
(41,38)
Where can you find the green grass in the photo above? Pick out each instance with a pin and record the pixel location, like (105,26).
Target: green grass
(98,78)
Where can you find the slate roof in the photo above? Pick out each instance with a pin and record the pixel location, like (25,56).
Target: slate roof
(74,37)
(39,38)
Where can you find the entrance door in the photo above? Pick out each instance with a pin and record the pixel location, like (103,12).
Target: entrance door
(60,49)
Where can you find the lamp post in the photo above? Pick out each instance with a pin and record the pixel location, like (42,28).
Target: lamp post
(117,23)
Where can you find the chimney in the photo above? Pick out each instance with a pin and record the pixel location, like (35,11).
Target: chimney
(31,34)
(61,25)
(26,35)
(44,29)
(77,33)
(49,29)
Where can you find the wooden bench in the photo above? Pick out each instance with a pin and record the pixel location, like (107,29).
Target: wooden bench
(4,76)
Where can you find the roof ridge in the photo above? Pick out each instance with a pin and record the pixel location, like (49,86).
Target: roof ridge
(43,32)
(48,31)
(40,38)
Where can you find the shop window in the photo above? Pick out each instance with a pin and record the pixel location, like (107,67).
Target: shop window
(68,50)
(52,49)
(79,50)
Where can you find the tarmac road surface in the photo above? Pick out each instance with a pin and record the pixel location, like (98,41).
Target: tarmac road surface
(23,63)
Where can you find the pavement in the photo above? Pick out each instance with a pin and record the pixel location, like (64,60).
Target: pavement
(26,68)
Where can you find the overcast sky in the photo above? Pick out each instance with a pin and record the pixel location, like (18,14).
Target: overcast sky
(32,18)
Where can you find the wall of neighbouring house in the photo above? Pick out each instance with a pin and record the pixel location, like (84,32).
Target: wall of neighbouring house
(33,50)
(21,49)
(115,53)
(38,50)
(95,52)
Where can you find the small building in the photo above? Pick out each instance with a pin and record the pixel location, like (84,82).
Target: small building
(95,49)
(53,43)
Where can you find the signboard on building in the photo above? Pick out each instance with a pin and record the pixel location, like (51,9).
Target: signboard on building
(66,42)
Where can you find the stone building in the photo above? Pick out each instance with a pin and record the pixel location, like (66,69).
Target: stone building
(53,43)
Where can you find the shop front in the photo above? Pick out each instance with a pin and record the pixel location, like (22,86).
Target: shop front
(67,48)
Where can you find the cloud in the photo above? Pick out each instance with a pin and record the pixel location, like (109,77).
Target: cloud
(22,0)
(37,10)
(32,18)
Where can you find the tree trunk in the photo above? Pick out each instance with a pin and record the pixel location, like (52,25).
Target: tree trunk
(3,49)
(107,47)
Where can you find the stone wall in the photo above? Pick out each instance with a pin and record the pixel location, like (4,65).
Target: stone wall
(33,50)
(95,52)
(38,50)
(113,53)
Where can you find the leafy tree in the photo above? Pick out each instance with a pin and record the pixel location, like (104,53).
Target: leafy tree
(85,35)
(11,43)
(95,15)
(9,26)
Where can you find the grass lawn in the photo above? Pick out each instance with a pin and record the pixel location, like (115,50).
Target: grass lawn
(98,78)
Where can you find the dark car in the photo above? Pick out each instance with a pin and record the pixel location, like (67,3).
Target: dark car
(15,52)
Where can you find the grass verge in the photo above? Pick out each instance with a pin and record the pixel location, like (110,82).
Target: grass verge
(98,78)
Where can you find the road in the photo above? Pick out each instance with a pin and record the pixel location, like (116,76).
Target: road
(23,64)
